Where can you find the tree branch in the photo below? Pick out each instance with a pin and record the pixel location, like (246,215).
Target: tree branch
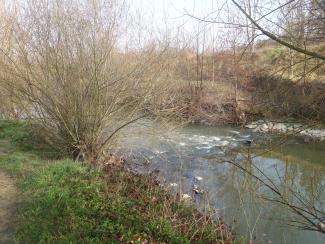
(273,37)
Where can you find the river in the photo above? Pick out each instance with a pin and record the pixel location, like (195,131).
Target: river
(194,157)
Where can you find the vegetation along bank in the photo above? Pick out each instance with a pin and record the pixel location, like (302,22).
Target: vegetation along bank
(65,201)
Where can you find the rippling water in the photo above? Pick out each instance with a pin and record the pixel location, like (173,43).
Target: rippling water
(194,157)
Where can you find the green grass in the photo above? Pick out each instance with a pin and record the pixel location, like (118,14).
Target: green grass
(16,133)
(69,202)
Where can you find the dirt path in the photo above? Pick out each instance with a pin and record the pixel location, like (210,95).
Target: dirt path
(8,207)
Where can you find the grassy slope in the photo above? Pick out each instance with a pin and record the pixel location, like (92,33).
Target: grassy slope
(67,202)
(276,59)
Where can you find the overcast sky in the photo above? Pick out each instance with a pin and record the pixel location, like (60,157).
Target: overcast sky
(158,11)
(172,13)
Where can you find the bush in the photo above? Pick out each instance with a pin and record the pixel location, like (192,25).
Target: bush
(66,72)
(273,55)
(283,97)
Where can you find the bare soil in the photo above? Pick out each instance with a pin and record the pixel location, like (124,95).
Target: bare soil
(8,207)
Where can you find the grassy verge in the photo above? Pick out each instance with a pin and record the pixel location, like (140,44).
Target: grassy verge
(69,202)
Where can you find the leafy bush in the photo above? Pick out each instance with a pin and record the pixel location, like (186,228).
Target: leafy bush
(274,54)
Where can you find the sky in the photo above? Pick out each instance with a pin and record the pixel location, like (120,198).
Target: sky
(159,14)
(171,15)
(158,17)
(158,11)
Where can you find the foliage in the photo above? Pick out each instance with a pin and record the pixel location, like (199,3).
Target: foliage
(17,132)
(68,203)
(274,54)
(21,136)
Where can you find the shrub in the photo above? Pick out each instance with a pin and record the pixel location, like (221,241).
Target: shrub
(283,97)
(66,71)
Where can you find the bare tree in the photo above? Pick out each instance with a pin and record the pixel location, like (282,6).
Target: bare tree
(73,81)
(272,36)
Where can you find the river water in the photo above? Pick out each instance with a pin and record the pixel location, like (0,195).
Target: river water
(197,157)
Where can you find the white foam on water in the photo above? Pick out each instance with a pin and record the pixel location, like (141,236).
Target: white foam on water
(223,143)
(215,138)
(209,146)
(173,184)
(198,178)
(159,152)
(245,136)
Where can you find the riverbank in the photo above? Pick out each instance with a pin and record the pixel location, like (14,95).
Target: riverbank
(306,132)
(66,201)
(261,96)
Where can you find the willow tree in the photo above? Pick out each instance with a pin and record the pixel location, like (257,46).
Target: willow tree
(75,84)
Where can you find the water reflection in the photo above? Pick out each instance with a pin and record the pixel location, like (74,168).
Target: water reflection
(186,155)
